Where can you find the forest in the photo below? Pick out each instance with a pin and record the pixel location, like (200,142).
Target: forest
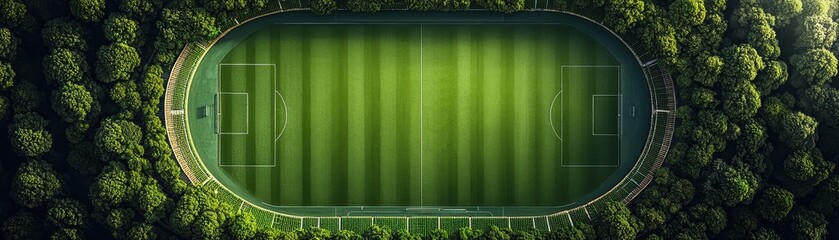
(85,154)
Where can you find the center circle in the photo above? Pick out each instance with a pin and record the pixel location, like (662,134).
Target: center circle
(518,118)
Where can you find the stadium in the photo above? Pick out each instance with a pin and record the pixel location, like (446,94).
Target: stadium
(419,121)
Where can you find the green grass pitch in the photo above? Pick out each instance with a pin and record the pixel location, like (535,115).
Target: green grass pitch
(418,115)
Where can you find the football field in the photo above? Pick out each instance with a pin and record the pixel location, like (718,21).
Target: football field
(418,115)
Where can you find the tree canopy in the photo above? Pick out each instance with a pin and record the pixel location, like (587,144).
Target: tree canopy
(35,184)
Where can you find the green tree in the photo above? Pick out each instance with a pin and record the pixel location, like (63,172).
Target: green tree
(312,233)
(121,29)
(28,136)
(72,102)
(178,27)
(116,62)
(141,231)
(4,106)
(751,24)
(11,12)
(323,7)
(64,33)
(126,95)
(702,97)
(276,234)
(151,89)
(66,212)
(823,103)
(467,233)
(712,218)
(82,158)
(494,232)
(26,97)
(615,222)
(579,231)
(506,6)
(154,142)
(438,5)
(807,167)
(783,10)
(708,67)
(199,214)
(773,76)
(243,226)
(8,44)
(367,5)
(7,76)
(140,9)
(151,201)
(806,224)
(651,218)
(815,7)
(35,184)
(110,187)
(687,13)
(88,10)
(119,137)
(622,15)
(22,225)
(814,67)
(437,234)
(827,196)
(753,136)
(816,32)
(798,130)
(375,232)
(64,65)
(741,63)
(207,225)
(774,203)
(742,102)
(118,220)
(727,185)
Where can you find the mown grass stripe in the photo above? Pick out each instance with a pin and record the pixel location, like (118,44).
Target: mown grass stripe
(372,119)
(290,161)
(264,121)
(524,118)
(356,137)
(388,113)
(465,115)
(486,91)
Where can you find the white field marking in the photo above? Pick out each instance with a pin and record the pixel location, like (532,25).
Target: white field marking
(285,109)
(273,219)
(548,223)
(273,82)
(595,96)
(562,146)
(247,111)
(551,116)
(569,219)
